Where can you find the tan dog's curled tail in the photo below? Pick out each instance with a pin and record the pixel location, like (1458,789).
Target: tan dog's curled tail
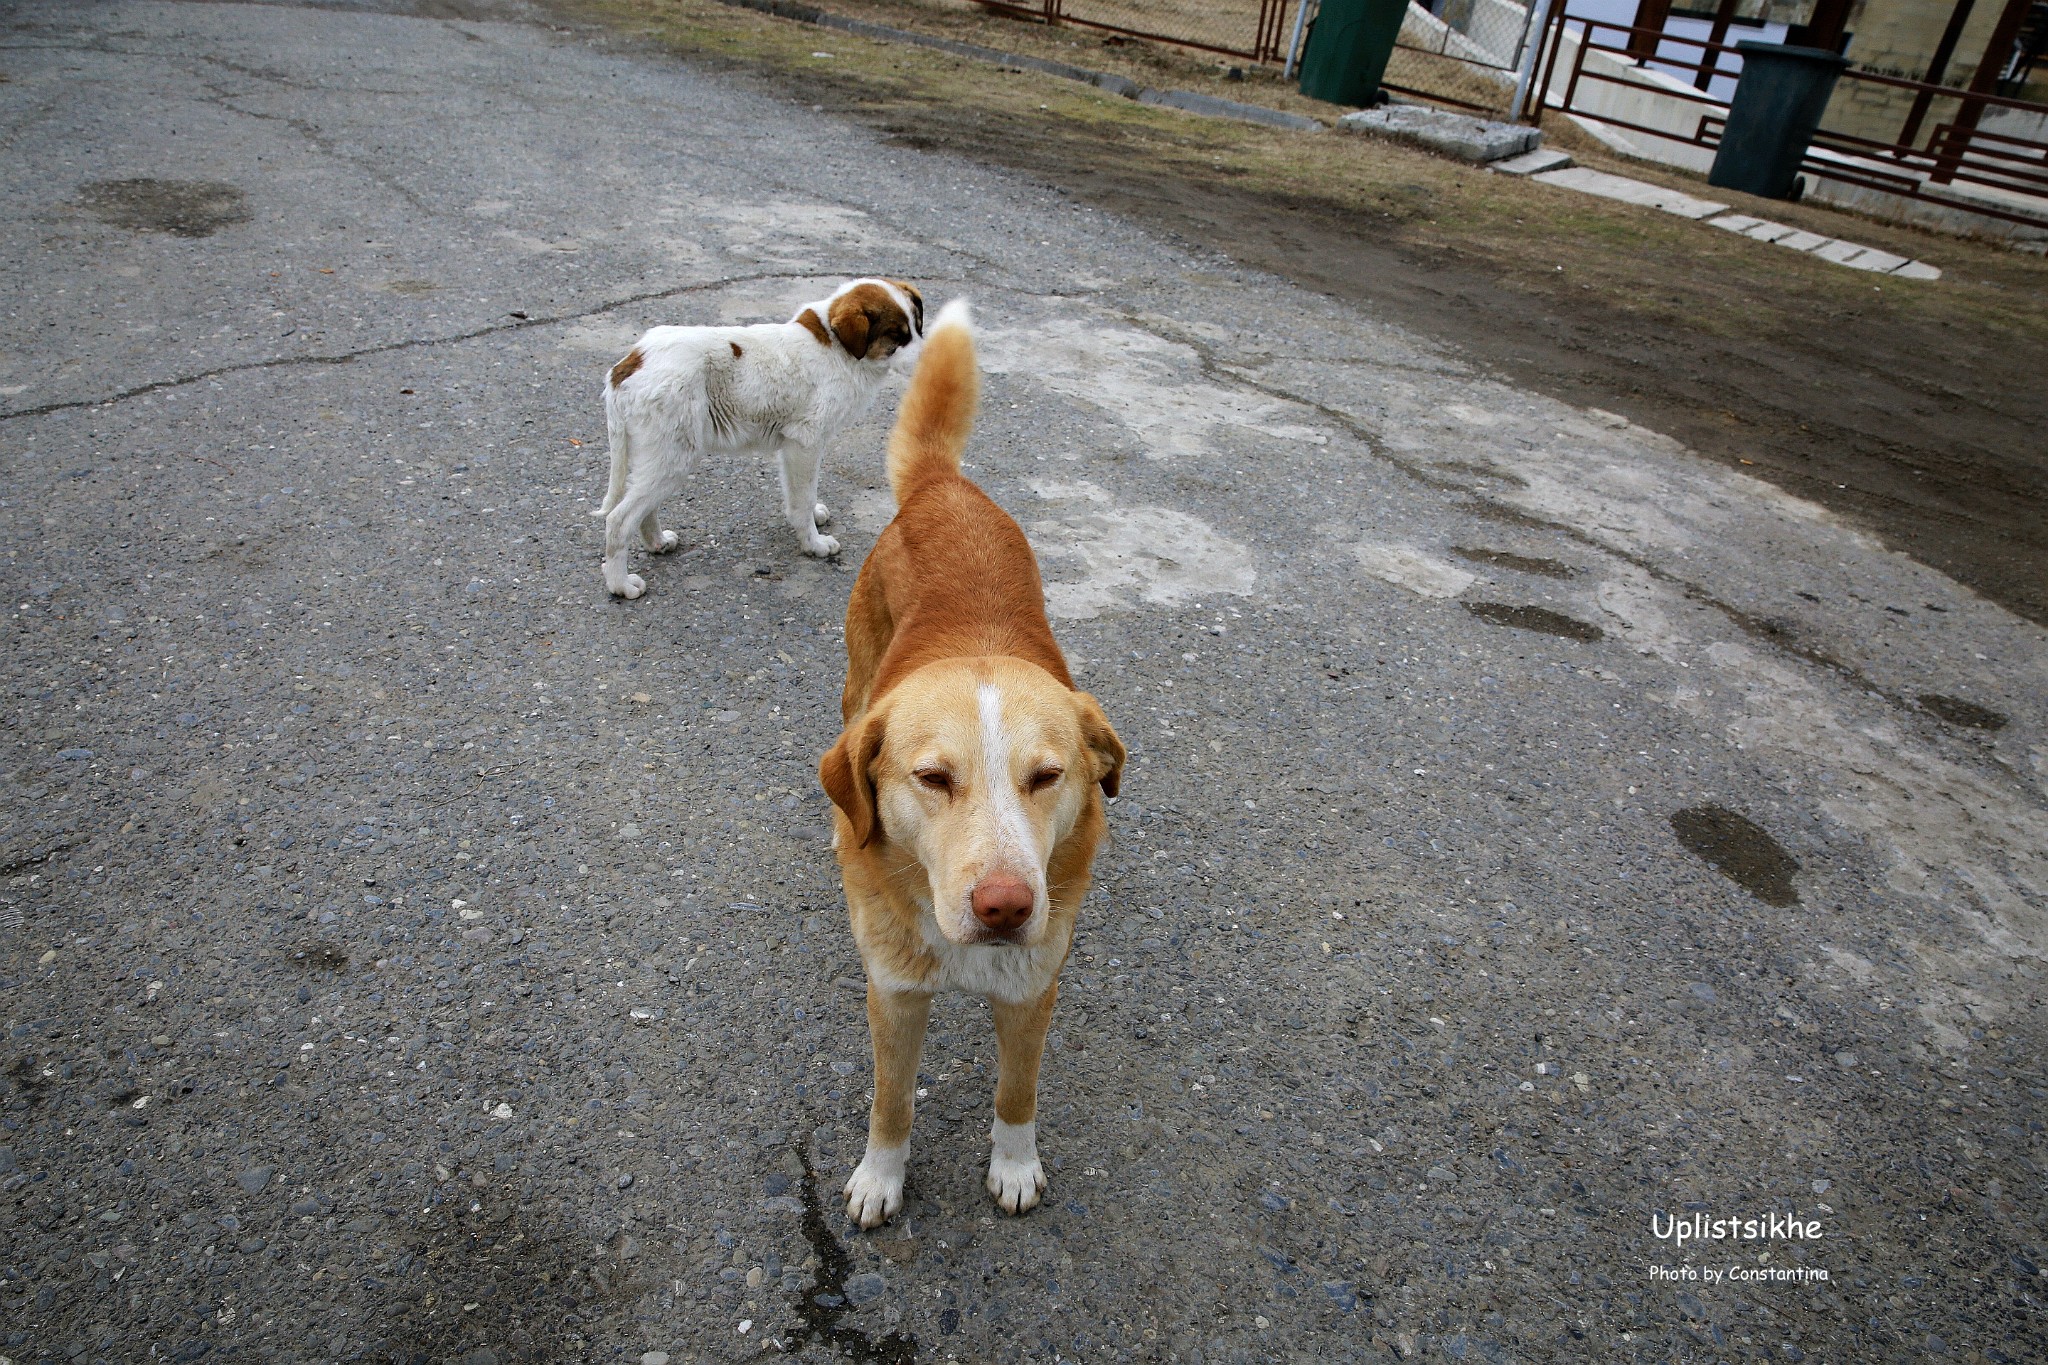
(937,415)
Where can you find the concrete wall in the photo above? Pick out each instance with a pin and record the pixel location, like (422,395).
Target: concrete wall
(1897,38)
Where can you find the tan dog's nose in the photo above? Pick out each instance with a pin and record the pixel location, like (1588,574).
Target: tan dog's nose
(1002,903)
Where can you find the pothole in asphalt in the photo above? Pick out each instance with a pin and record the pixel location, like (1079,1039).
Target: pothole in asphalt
(1548,568)
(1956,711)
(1535,618)
(183,208)
(1739,850)
(321,957)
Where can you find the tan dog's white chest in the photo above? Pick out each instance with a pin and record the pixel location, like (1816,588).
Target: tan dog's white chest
(1006,971)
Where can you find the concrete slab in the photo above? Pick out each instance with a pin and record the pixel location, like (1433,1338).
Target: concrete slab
(1804,241)
(1882,261)
(1533,163)
(1770,232)
(1735,222)
(1459,136)
(1918,270)
(1632,192)
(1858,257)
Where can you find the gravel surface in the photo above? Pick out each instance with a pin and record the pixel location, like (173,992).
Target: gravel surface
(407,953)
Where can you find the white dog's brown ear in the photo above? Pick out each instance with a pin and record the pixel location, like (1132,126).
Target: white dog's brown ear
(847,772)
(1105,750)
(865,315)
(916,304)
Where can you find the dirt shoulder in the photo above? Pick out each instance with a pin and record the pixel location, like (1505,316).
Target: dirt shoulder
(1915,409)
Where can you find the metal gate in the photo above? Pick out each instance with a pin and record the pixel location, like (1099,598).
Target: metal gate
(1972,150)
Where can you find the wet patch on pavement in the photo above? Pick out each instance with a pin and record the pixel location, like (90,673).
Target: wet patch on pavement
(1540,619)
(182,208)
(1956,711)
(1547,568)
(1739,850)
(825,1303)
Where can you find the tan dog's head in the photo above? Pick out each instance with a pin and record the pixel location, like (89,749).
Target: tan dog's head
(978,769)
(871,319)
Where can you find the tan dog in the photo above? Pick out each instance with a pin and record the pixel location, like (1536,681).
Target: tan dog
(969,781)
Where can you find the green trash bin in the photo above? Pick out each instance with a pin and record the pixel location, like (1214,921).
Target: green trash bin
(1348,49)
(1779,100)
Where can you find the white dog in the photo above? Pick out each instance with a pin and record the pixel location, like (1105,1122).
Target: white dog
(787,387)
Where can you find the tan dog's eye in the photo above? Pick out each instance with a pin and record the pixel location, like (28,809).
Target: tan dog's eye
(1042,779)
(938,779)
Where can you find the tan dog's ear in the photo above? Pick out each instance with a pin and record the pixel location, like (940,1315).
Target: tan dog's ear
(850,323)
(1105,750)
(847,772)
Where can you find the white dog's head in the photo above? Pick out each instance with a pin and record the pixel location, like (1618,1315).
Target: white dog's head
(979,769)
(874,320)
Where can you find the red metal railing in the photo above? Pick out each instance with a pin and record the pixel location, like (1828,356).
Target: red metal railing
(1256,30)
(1957,150)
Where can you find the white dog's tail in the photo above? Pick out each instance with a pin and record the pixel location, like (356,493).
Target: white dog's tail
(937,415)
(615,430)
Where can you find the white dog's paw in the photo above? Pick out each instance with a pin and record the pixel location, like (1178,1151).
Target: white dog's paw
(628,587)
(1014,1176)
(823,547)
(822,515)
(1016,1185)
(875,1190)
(669,541)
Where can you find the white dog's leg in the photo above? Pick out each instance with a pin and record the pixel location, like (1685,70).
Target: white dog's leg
(799,468)
(655,540)
(635,510)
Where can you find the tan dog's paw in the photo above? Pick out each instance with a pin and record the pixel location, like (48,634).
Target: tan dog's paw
(875,1190)
(1016,1185)
(1015,1177)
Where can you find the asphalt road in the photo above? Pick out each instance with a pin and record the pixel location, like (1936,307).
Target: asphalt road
(408,953)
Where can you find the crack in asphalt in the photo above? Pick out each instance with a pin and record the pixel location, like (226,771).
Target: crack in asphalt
(390,347)
(1773,632)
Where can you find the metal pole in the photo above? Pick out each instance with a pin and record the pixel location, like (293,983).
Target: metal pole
(1532,44)
(1294,43)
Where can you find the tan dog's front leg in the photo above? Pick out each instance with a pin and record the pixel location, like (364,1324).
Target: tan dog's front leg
(896,1023)
(1014,1176)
